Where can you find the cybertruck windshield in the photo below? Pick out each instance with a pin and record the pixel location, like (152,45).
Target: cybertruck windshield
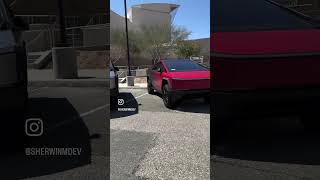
(254,15)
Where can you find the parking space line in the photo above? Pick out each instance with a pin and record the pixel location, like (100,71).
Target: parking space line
(67,121)
(94,110)
(82,115)
(38,89)
(140,96)
(217,159)
(137,97)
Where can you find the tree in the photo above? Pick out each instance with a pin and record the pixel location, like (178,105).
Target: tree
(157,40)
(187,49)
(118,44)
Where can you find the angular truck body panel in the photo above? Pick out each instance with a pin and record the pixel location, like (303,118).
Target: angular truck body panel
(190,80)
(259,60)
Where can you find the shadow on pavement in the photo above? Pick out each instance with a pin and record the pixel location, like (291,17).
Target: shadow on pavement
(129,108)
(193,105)
(63,128)
(280,140)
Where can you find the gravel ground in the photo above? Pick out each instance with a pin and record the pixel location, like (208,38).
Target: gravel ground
(268,149)
(181,148)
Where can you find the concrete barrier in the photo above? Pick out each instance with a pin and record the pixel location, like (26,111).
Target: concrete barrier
(137,73)
(141,72)
(64,63)
(39,60)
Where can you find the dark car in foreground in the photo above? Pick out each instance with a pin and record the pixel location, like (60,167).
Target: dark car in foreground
(13,80)
(176,79)
(13,62)
(265,61)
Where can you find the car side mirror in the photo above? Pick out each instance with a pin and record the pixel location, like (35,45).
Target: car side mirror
(19,24)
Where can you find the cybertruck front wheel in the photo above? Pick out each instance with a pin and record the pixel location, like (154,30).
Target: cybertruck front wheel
(168,97)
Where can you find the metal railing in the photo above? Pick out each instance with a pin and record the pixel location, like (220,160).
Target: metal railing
(99,19)
(291,3)
(295,3)
(75,35)
(135,67)
(74,32)
(71,21)
(38,19)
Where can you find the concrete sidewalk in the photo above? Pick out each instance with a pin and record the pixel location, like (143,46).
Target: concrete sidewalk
(136,86)
(87,78)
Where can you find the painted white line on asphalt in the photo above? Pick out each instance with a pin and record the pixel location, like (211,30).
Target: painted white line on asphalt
(38,89)
(77,117)
(135,98)
(94,110)
(90,112)
(140,96)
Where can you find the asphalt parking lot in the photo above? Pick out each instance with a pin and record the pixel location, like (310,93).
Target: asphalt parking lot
(72,118)
(268,149)
(149,141)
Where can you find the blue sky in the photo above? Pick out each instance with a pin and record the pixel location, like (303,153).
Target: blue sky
(193,15)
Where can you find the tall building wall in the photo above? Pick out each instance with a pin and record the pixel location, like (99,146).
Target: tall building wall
(144,15)
(118,22)
(152,14)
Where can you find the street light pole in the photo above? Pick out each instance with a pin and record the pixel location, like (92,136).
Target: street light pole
(127,37)
(62,24)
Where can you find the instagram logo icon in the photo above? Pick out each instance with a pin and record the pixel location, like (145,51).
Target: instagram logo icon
(34,127)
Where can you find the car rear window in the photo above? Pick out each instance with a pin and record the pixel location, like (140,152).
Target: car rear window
(252,15)
(183,65)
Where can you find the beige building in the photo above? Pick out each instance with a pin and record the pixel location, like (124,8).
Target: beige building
(151,15)
(145,15)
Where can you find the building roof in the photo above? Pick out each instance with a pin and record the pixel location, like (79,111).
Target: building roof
(158,6)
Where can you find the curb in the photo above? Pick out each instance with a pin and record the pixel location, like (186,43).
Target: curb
(70,83)
(132,87)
